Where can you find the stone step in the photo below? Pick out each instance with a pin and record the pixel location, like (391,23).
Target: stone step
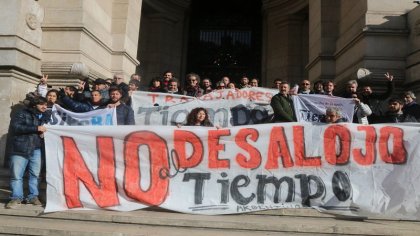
(158,222)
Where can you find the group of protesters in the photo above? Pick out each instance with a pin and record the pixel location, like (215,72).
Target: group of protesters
(27,125)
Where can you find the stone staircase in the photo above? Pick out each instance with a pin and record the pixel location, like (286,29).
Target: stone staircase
(30,220)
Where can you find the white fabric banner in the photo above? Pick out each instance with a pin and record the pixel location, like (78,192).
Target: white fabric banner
(61,116)
(226,107)
(312,107)
(346,168)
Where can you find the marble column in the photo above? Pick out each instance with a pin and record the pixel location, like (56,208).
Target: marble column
(20,60)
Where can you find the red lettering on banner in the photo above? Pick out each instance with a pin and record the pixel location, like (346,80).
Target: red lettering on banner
(182,137)
(299,144)
(278,148)
(251,95)
(214,148)
(169,98)
(154,96)
(158,156)
(399,153)
(75,170)
(269,96)
(330,137)
(219,94)
(259,96)
(184,99)
(369,157)
(230,95)
(206,97)
(254,160)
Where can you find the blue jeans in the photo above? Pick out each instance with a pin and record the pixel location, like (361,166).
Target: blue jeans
(18,165)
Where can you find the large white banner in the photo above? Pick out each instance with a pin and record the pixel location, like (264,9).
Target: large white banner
(226,107)
(61,116)
(351,169)
(312,107)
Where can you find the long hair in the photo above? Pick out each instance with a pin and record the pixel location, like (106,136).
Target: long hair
(192,117)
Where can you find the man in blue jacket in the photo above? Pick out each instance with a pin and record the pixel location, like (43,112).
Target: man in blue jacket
(125,114)
(27,145)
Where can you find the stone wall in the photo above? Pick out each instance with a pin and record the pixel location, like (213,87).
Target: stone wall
(412,81)
(20,60)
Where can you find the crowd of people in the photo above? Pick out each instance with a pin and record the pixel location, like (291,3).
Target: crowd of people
(27,125)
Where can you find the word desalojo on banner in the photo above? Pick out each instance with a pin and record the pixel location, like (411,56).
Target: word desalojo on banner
(226,107)
(61,116)
(311,107)
(351,169)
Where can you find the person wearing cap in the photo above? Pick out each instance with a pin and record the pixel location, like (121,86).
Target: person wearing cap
(27,128)
(101,87)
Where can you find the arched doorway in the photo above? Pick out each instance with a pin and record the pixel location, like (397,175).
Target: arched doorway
(225,39)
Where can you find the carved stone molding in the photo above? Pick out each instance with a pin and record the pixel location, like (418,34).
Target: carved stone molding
(32,21)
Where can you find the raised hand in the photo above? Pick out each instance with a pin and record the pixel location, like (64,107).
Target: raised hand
(44,79)
(389,77)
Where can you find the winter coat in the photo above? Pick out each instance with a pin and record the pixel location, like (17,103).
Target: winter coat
(283,108)
(24,131)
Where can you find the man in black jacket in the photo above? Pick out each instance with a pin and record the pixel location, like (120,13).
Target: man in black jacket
(27,130)
(376,100)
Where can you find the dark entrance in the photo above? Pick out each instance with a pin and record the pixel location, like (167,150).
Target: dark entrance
(225,39)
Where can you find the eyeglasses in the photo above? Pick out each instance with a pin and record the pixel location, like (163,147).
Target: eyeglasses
(305,83)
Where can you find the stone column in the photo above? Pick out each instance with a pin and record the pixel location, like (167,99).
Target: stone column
(285,50)
(323,32)
(20,60)
(373,35)
(89,38)
(412,81)
(162,37)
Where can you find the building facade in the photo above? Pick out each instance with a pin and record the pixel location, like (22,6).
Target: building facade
(298,39)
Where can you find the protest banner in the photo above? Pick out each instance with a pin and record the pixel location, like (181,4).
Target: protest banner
(226,107)
(61,116)
(312,107)
(351,169)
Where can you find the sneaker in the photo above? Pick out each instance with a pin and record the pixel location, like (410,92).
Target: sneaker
(13,203)
(34,201)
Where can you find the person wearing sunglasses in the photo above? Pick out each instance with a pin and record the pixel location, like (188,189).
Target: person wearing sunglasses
(305,87)
(192,87)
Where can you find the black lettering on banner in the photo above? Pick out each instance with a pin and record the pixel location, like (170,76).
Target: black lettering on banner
(259,115)
(199,184)
(305,188)
(234,190)
(341,186)
(307,115)
(174,119)
(148,111)
(224,193)
(263,180)
(213,113)
(240,115)
(54,120)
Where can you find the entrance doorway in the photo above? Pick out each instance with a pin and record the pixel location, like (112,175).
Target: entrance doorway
(225,39)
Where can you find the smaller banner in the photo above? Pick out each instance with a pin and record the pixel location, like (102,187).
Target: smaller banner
(61,116)
(312,107)
(226,107)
